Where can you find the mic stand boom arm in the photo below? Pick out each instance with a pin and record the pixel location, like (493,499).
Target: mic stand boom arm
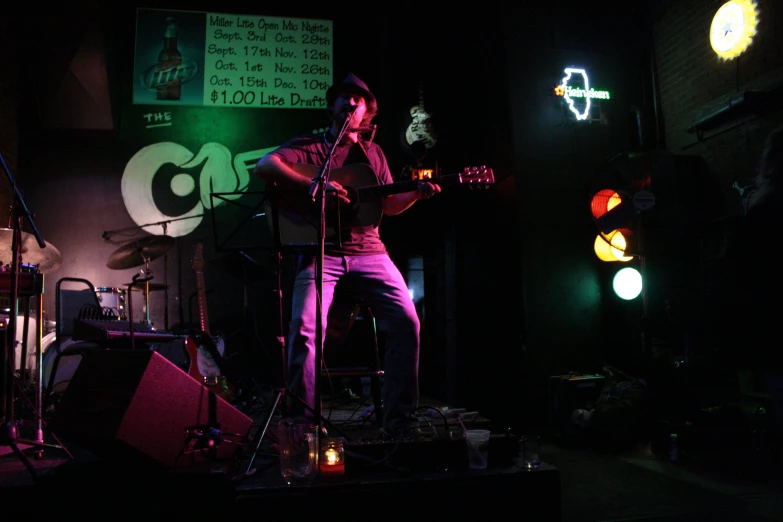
(108,233)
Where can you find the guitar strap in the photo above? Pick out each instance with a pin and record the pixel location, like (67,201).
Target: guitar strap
(350,155)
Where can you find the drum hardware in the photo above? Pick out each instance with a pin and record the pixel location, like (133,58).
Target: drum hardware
(153,287)
(141,252)
(49,325)
(34,257)
(66,367)
(21,247)
(112,302)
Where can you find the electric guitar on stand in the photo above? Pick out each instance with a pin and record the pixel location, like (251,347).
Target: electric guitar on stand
(204,354)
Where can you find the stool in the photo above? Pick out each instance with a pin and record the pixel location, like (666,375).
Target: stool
(341,321)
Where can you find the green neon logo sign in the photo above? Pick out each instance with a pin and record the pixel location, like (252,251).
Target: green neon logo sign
(571,92)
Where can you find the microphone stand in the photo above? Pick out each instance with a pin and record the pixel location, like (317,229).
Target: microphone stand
(108,233)
(9,435)
(318,191)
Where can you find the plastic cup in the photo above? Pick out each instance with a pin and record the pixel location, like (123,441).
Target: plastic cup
(530,447)
(477,442)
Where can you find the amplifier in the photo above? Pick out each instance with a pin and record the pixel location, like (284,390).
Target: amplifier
(568,393)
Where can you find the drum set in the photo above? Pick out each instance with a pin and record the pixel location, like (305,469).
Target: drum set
(30,356)
(36,262)
(137,253)
(114,301)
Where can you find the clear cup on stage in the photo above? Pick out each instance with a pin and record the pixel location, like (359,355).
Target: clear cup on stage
(530,447)
(298,450)
(477,442)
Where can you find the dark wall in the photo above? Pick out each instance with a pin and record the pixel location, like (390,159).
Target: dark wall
(9,113)
(694,83)
(514,291)
(555,157)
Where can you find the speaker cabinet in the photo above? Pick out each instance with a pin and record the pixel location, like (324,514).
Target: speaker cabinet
(137,401)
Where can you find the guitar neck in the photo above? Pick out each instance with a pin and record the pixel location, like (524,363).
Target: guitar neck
(404,186)
(202,303)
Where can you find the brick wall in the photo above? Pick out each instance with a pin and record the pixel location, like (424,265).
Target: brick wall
(693,82)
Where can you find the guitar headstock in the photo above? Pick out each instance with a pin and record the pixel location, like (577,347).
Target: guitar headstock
(197,262)
(479,177)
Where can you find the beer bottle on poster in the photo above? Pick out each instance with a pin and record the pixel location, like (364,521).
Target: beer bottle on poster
(169,60)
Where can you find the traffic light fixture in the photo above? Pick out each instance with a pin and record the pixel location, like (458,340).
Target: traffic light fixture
(620,195)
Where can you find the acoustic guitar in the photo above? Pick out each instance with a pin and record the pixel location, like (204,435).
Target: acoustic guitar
(205,356)
(298,218)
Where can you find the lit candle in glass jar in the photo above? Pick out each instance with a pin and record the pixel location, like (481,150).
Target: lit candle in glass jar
(333,458)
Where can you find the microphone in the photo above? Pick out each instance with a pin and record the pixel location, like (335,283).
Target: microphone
(349,108)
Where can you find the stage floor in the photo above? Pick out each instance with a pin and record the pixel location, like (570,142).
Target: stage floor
(391,476)
(423,477)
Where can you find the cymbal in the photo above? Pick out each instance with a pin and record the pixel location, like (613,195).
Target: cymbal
(47,259)
(138,252)
(153,287)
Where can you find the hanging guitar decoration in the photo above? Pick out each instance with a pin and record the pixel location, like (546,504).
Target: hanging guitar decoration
(421,129)
(205,355)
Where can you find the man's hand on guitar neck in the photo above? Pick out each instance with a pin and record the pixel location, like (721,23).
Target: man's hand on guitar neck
(426,189)
(399,203)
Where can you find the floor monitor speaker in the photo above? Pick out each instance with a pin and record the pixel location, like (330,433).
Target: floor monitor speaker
(138,400)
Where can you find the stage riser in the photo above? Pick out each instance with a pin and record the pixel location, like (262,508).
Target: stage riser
(510,492)
(428,454)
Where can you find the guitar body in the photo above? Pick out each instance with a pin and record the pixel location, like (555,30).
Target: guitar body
(298,216)
(203,367)
(420,129)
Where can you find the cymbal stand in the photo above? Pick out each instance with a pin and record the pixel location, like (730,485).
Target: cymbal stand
(165,286)
(136,281)
(147,273)
(38,361)
(9,435)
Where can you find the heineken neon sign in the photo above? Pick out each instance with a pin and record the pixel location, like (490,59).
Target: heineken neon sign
(583,91)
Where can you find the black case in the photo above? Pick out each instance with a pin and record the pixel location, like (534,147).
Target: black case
(568,393)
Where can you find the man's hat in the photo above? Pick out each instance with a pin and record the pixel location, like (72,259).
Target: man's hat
(351,83)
